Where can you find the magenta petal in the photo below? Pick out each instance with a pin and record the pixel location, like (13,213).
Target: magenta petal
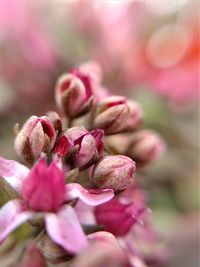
(92,197)
(65,230)
(12,215)
(13,172)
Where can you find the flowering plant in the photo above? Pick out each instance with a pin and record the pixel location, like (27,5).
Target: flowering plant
(79,188)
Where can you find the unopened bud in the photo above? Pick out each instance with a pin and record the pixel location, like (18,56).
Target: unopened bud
(98,135)
(93,69)
(145,146)
(111,114)
(36,136)
(56,121)
(135,117)
(74,94)
(115,172)
(78,145)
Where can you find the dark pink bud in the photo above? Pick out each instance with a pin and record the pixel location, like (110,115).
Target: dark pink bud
(83,145)
(115,172)
(44,188)
(116,217)
(135,118)
(74,94)
(111,114)
(98,135)
(36,136)
(145,146)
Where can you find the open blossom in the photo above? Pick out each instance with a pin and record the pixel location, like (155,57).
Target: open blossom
(80,146)
(42,189)
(116,172)
(73,93)
(37,135)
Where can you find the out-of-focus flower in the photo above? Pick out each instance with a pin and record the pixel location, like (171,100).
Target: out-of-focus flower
(37,195)
(116,172)
(73,94)
(104,250)
(31,258)
(135,117)
(118,218)
(92,69)
(36,136)
(111,114)
(144,147)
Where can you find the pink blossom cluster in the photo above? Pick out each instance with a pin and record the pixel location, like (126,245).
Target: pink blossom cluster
(78,187)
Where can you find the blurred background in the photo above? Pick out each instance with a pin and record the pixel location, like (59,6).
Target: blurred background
(149,51)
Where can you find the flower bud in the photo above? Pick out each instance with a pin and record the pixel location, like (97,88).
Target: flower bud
(135,117)
(56,121)
(82,146)
(115,172)
(44,188)
(145,146)
(111,114)
(98,135)
(74,94)
(36,136)
(93,69)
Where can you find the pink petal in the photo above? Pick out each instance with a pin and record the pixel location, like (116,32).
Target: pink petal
(65,230)
(13,172)
(12,215)
(92,197)
(85,213)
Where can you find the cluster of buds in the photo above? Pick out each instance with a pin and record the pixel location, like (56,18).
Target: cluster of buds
(89,165)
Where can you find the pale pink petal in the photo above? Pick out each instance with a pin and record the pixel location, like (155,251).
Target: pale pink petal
(13,172)
(65,230)
(85,213)
(92,197)
(12,215)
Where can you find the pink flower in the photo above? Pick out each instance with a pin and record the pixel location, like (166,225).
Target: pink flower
(37,135)
(118,218)
(42,189)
